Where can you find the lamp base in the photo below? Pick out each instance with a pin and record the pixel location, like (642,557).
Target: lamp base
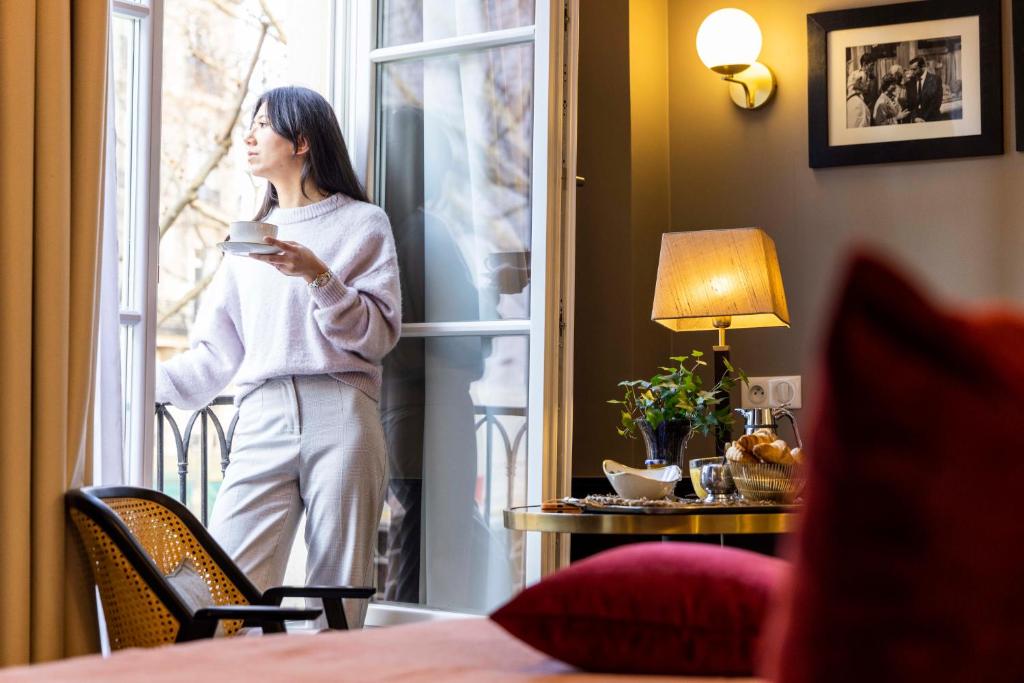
(753,87)
(723,435)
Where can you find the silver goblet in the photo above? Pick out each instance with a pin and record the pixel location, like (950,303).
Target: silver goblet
(716,479)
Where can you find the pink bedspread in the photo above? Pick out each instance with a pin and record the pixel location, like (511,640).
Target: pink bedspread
(469,650)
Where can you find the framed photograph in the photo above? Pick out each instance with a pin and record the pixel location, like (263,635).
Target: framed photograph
(918,80)
(1018,70)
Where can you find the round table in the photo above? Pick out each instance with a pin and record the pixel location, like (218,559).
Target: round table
(755,519)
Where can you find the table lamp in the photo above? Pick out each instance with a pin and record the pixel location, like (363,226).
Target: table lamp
(716,280)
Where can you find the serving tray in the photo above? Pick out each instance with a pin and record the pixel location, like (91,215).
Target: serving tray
(674,506)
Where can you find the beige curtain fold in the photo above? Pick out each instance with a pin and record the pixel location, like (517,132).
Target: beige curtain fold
(52,85)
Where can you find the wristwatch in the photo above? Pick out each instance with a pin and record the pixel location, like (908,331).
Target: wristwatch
(321,279)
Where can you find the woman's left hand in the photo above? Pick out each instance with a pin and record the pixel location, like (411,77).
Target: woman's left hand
(295,260)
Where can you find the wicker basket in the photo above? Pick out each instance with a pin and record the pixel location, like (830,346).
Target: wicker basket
(768,482)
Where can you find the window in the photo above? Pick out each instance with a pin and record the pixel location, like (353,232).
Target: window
(446,108)
(134,79)
(457,141)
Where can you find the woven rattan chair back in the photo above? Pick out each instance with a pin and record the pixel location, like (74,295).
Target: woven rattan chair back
(169,542)
(139,606)
(135,615)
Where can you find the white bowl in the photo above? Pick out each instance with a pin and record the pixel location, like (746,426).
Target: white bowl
(652,484)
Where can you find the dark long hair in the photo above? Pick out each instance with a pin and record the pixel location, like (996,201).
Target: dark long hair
(300,112)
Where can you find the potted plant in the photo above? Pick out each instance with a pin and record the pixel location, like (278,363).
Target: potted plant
(669,407)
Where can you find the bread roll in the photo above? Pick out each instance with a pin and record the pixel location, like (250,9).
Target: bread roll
(748,441)
(737,454)
(777,452)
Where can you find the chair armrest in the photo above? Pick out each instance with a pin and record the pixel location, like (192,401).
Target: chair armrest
(273,596)
(330,595)
(256,613)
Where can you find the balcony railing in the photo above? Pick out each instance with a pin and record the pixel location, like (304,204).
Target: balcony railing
(496,435)
(206,416)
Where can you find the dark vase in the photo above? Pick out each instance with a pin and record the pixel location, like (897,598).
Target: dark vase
(666,444)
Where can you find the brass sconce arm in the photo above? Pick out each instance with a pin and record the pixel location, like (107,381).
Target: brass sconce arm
(746,90)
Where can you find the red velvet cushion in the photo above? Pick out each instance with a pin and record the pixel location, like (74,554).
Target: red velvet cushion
(910,562)
(650,608)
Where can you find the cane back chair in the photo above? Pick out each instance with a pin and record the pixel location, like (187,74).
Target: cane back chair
(134,537)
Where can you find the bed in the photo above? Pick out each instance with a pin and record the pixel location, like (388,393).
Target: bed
(463,650)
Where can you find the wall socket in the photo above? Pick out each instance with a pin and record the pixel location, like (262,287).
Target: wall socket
(771,392)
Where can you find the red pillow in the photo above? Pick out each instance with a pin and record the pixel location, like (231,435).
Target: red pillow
(650,608)
(911,555)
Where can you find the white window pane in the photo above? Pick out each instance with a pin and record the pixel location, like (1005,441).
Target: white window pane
(125,37)
(454,414)
(128,358)
(414,21)
(456,157)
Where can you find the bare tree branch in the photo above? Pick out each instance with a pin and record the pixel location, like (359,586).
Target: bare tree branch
(223,143)
(226,10)
(208,62)
(190,294)
(253,20)
(274,22)
(212,212)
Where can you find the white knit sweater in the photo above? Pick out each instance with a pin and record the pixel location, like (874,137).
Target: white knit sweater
(255,323)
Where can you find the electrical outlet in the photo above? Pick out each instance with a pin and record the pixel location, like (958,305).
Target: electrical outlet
(771,392)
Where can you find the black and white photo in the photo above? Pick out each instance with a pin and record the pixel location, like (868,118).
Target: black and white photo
(1018,70)
(905,82)
(911,82)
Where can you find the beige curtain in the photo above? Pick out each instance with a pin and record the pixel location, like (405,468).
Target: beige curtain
(52,80)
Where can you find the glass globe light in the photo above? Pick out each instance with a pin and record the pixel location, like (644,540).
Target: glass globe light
(728,41)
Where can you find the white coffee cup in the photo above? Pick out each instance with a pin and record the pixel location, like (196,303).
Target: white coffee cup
(252,231)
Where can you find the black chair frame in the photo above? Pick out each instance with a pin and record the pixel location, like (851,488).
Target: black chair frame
(264,608)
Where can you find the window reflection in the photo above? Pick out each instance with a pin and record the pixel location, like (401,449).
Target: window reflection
(454,175)
(456,152)
(454,414)
(414,21)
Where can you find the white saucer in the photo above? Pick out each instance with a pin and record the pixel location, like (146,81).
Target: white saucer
(244,248)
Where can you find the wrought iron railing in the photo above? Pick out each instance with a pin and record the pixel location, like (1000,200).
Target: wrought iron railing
(487,417)
(206,416)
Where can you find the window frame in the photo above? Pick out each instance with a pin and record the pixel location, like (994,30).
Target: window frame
(144,186)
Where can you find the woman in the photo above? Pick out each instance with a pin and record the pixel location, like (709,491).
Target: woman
(857,113)
(303,333)
(888,111)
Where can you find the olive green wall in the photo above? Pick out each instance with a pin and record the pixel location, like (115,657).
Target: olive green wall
(957,224)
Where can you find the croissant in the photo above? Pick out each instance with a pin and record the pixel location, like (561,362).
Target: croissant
(777,452)
(737,454)
(747,442)
(798,456)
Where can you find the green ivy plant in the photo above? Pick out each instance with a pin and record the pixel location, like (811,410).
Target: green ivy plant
(677,394)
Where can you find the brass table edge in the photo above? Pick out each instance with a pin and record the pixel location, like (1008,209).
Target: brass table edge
(687,523)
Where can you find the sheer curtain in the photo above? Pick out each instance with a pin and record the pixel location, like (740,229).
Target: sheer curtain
(108,418)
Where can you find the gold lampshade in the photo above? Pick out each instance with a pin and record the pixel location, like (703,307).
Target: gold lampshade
(716,279)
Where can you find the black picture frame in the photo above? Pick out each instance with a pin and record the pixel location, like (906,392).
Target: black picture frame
(990,102)
(1018,70)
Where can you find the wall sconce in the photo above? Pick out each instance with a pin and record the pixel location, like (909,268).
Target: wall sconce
(729,42)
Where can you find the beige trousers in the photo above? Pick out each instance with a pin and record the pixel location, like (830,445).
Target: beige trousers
(305,443)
